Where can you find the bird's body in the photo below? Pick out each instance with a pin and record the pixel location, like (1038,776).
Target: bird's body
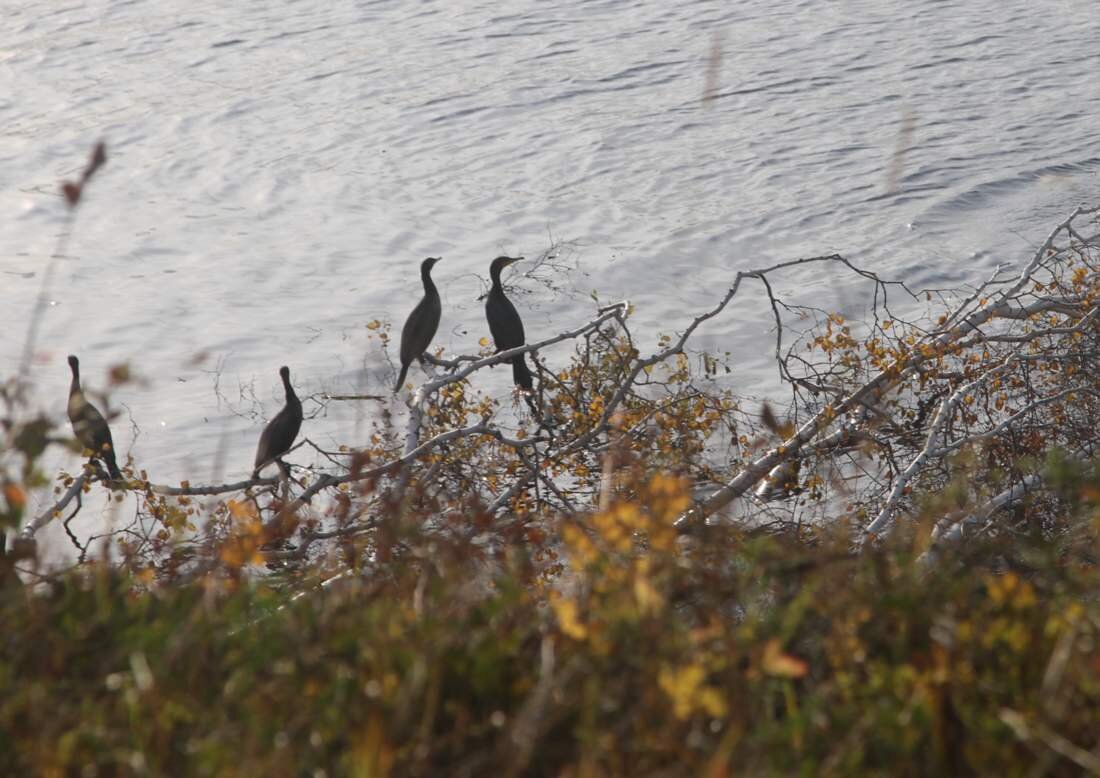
(422,323)
(279,434)
(505,324)
(89,426)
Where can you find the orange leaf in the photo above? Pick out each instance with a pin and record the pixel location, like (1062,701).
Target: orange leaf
(780,664)
(15,496)
(241,510)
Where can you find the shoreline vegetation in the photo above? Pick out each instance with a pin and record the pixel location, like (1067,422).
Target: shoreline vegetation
(890,570)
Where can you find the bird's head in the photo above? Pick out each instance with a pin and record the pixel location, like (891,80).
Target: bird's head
(74,363)
(500,263)
(429,263)
(284,373)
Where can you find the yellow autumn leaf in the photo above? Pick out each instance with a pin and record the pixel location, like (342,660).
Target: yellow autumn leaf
(241,510)
(681,685)
(484,342)
(648,599)
(627,514)
(582,550)
(1012,590)
(711,701)
(688,693)
(566,612)
(232,556)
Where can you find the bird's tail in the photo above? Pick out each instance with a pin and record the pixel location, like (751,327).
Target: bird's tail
(400,379)
(112,465)
(521,374)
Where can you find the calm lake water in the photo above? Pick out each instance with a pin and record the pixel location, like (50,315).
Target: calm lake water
(278,169)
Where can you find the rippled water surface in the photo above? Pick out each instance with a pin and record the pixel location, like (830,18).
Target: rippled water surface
(277,170)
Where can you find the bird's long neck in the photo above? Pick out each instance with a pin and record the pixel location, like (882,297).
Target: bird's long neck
(494,273)
(74,385)
(291,397)
(429,284)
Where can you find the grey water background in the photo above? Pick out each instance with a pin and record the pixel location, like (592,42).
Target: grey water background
(278,169)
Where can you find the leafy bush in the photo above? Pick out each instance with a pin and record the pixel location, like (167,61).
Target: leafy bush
(726,653)
(640,577)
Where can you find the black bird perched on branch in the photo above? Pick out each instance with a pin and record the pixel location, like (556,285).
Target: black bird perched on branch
(278,436)
(89,426)
(422,323)
(505,324)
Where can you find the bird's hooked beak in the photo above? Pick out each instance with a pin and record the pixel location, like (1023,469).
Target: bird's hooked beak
(513,260)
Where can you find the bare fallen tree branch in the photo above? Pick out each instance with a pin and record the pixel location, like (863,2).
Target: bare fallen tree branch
(967,319)
(879,410)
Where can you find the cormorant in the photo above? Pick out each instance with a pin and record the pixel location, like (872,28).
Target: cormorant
(422,323)
(505,324)
(89,426)
(278,436)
